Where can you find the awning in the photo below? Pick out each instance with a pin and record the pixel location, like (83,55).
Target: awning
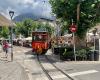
(5,22)
(28,38)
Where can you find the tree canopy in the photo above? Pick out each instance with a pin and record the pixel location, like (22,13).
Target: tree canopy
(85,13)
(27,26)
(4,32)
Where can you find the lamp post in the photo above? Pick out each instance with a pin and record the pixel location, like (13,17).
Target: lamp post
(11,13)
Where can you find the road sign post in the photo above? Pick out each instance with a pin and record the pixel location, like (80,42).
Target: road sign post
(73,30)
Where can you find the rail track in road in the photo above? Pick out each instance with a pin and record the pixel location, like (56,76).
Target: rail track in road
(50,69)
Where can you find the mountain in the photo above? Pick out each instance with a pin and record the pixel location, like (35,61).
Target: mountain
(32,16)
(21,17)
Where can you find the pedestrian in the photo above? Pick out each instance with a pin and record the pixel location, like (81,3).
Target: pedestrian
(0,47)
(5,48)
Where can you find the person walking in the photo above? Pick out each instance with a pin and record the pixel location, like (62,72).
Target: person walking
(0,47)
(5,48)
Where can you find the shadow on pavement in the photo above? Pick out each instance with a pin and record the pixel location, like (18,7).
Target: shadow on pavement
(50,58)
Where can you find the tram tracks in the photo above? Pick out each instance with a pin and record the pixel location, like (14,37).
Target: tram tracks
(46,73)
(50,70)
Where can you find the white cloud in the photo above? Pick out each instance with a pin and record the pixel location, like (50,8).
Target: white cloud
(24,6)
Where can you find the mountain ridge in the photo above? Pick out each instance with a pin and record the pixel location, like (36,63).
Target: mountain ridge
(32,16)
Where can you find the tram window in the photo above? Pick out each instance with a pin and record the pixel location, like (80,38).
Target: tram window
(39,38)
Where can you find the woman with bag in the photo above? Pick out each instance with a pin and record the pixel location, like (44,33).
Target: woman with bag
(5,48)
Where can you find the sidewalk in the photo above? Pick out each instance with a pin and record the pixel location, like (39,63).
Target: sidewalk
(11,70)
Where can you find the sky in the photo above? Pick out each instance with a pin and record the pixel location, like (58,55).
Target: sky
(25,6)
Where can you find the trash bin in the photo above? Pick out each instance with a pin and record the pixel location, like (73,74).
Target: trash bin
(96,55)
(93,55)
(56,51)
(90,56)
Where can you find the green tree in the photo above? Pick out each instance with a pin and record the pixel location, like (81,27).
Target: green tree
(45,27)
(85,13)
(49,28)
(27,26)
(5,32)
(19,28)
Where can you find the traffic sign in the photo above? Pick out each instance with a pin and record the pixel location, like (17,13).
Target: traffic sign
(73,28)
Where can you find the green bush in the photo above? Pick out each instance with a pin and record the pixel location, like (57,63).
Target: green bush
(81,54)
(67,53)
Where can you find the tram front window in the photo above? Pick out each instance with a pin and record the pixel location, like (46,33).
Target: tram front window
(39,38)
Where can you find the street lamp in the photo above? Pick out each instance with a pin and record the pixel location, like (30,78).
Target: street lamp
(11,13)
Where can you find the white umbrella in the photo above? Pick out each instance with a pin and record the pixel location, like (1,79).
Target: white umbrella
(28,38)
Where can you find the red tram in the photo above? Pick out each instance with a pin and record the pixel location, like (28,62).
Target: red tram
(40,42)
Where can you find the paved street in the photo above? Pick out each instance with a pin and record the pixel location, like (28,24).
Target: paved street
(30,64)
(79,70)
(36,34)
(32,67)
(11,71)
